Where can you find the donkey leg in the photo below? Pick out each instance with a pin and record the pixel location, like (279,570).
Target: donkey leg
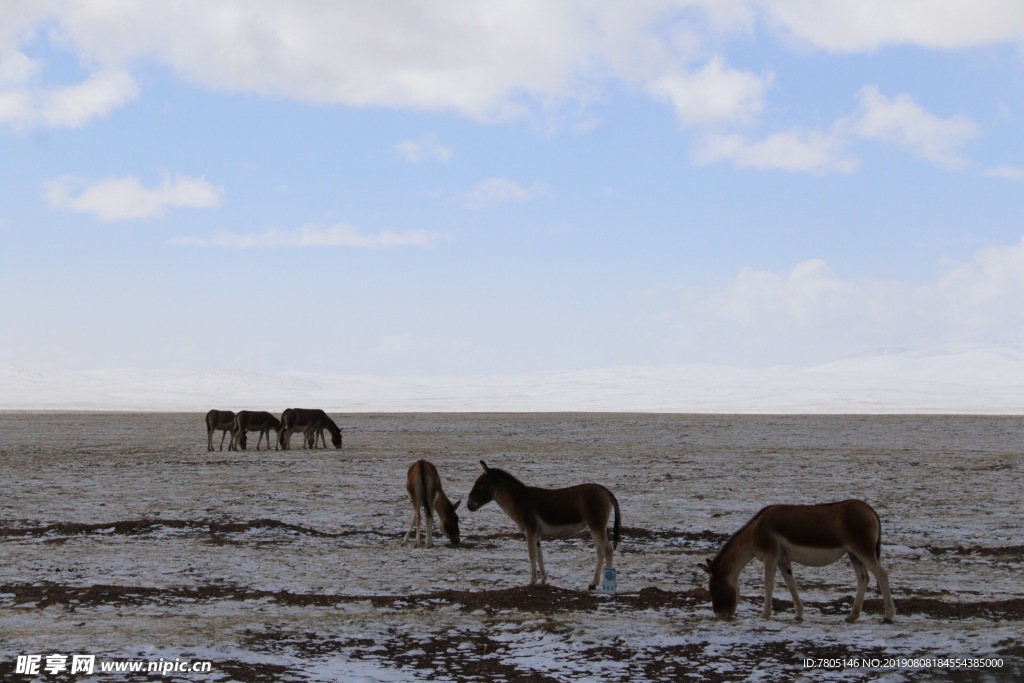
(430,529)
(540,564)
(531,549)
(769,585)
(604,555)
(882,577)
(787,575)
(862,585)
(412,524)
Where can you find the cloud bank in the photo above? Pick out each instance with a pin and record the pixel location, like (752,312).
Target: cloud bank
(498,61)
(811,312)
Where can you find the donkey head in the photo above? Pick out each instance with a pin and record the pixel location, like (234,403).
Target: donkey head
(724,591)
(483,490)
(449,520)
(336,439)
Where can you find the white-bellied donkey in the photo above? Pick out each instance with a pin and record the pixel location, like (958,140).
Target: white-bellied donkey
(550,513)
(812,535)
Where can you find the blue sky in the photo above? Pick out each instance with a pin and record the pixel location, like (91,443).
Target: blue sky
(461,188)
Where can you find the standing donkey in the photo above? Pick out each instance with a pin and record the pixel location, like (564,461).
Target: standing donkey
(550,513)
(224,420)
(253,421)
(812,535)
(424,487)
(308,421)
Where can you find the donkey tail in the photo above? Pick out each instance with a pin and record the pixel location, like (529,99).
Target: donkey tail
(616,528)
(878,541)
(427,504)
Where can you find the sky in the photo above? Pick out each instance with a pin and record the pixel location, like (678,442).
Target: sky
(453,188)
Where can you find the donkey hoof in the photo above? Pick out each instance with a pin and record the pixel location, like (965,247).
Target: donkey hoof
(591,587)
(887,620)
(852,618)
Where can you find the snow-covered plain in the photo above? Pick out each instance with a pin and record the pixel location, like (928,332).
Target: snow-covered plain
(961,379)
(122,537)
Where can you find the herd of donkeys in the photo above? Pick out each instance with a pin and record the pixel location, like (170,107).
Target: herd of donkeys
(311,422)
(778,535)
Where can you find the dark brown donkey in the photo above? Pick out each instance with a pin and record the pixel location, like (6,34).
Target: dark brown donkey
(812,535)
(424,487)
(224,420)
(550,513)
(307,421)
(253,421)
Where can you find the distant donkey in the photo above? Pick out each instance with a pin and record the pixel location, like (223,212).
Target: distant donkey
(223,420)
(253,421)
(308,421)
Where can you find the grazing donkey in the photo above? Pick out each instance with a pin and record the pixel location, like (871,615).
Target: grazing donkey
(550,513)
(424,487)
(812,535)
(224,420)
(253,421)
(308,421)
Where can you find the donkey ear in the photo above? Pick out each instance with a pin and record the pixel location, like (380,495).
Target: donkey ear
(706,566)
(456,505)
(486,468)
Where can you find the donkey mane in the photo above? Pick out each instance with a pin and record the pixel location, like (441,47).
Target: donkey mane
(508,477)
(732,539)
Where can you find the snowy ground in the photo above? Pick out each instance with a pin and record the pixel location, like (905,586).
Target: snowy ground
(122,537)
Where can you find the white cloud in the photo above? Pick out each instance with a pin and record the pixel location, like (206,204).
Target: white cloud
(487,61)
(805,151)
(340,235)
(867,25)
(16,68)
(118,199)
(811,314)
(478,59)
(71,106)
(493,191)
(712,94)
(987,291)
(901,122)
(427,147)
(898,121)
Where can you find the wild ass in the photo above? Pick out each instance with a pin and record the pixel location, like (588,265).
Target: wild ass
(253,421)
(550,513)
(425,491)
(307,421)
(224,420)
(812,535)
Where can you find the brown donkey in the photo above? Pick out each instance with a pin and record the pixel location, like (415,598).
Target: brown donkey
(253,421)
(424,487)
(308,421)
(223,420)
(550,513)
(812,535)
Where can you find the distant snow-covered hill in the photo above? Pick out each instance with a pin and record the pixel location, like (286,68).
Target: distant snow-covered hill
(955,379)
